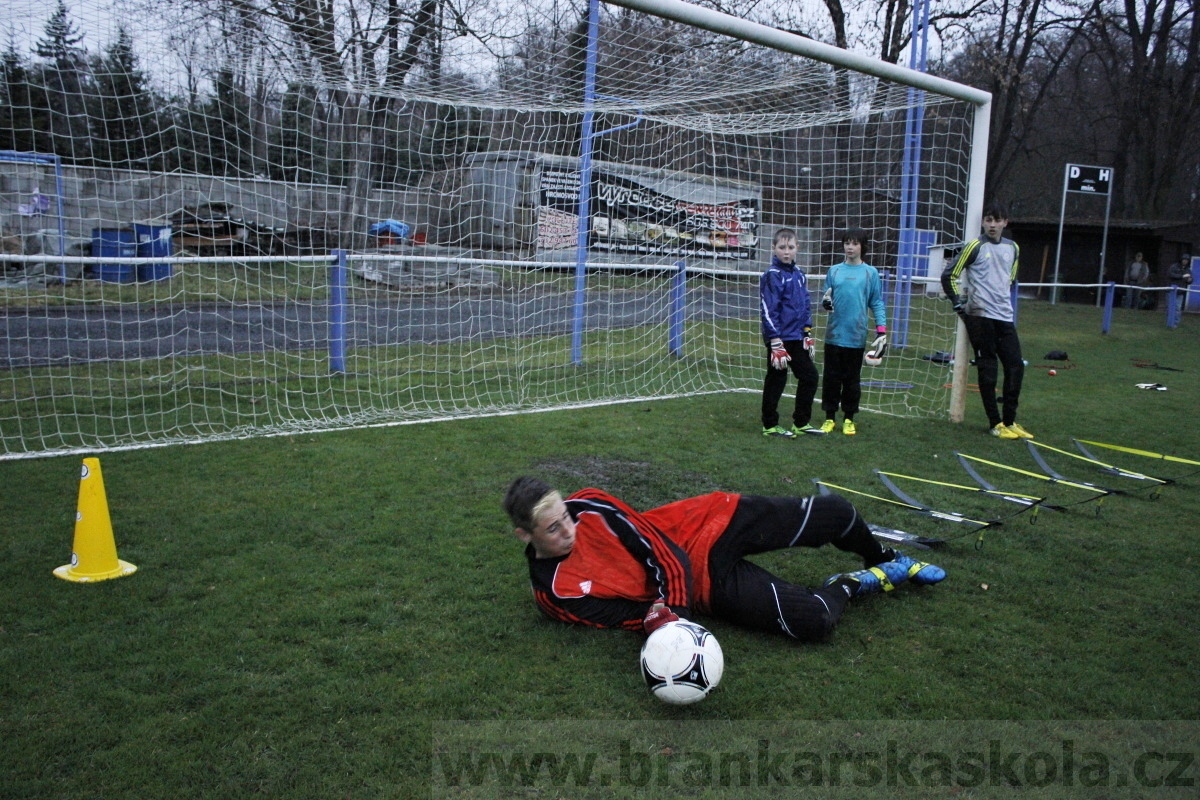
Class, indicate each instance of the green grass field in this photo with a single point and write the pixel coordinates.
(312, 614)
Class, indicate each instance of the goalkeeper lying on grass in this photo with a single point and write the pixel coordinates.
(594, 560)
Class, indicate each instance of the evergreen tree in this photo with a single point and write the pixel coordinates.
(61, 39)
(299, 141)
(19, 120)
(125, 126)
(181, 135)
(228, 128)
(63, 84)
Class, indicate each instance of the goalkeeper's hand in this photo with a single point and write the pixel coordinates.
(874, 354)
(659, 615)
(810, 344)
(960, 308)
(779, 354)
(827, 300)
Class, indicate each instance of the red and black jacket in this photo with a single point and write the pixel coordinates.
(623, 561)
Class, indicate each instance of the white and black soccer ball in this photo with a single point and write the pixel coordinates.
(682, 662)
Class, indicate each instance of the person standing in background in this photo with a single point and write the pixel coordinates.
(1137, 275)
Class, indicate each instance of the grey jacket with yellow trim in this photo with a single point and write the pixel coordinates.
(982, 277)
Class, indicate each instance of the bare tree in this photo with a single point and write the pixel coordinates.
(357, 53)
(1115, 86)
(1018, 53)
(1154, 49)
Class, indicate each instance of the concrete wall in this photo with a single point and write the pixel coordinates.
(108, 198)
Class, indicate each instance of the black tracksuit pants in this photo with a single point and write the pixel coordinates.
(996, 342)
(843, 380)
(776, 380)
(747, 594)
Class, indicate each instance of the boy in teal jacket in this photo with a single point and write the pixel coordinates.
(852, 288)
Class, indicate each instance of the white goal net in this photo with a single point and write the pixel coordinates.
(221, 223)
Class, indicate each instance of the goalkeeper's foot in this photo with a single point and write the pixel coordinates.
(922, 573)
(782, 433)
(1020, 432)
(807, 430)
(848, 427)
(873, 580)
(828, 425)
(1002, 431)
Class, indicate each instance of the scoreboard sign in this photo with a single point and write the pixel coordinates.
(1089, 180)
(1083, 179)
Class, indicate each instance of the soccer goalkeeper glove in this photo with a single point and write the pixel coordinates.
(960, 308)
(779, 354)
(810, 344)
(827, 300)
(874, 354)
(659, 615)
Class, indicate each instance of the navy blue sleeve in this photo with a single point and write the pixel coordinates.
(769, 306)
(806, 317)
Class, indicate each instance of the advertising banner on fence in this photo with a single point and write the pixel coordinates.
(650, 212)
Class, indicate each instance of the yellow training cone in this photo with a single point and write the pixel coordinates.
(94, 556)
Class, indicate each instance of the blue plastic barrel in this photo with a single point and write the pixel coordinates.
(153, 241)
(114, 243)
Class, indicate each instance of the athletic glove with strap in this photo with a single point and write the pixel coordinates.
(874, 355)
(827, 300)
(810, 344)
(659, 615)
(779, 354)
(879, 346)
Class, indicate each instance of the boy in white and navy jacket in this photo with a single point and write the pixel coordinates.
(787, 322)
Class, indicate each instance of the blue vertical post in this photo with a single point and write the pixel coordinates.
(904, 275)
(1173, 307)
(585, 184)
(678, 298)
(1013, 296)
(1106, 323)
(62, 232)
(910, 175)
(337, 313)
(1191, 291)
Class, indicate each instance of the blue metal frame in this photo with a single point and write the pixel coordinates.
(909, 254)
(585, 184)
(678, 306)
(590, 95)
(18, 157)
(1109, 293)
(337, 313)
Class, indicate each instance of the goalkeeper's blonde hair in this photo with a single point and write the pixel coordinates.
(527, 499)
(545, 504)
